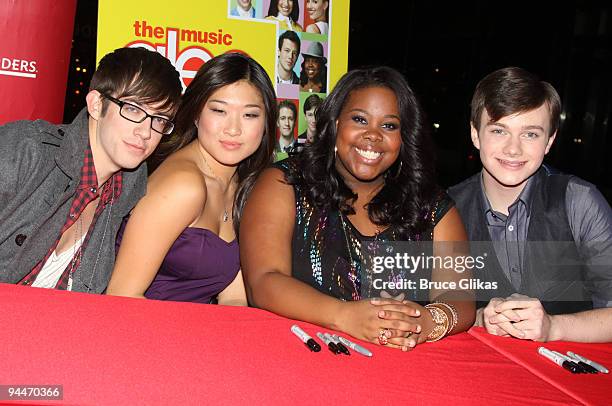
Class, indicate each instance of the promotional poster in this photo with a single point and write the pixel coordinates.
(302, 44)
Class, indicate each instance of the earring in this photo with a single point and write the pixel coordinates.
(335, 151)
(399, 171)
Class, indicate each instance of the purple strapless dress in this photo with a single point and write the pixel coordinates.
(198, 266)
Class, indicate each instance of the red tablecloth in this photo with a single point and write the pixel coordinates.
(108, 350)
(585, 388)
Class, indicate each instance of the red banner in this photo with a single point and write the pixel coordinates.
(36, 37)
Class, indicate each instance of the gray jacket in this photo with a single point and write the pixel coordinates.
(40, 168)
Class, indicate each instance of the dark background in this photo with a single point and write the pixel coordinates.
(444, 49)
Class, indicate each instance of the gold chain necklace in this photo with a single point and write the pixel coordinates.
(348, 245)
(225, 211)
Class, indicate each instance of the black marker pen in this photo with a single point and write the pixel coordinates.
(545, 352)
(583, 364)
(308, 340)
(340, 346)
(581, 368)
(592, 364)
(330, 344)
(586, 366)
(355, 347)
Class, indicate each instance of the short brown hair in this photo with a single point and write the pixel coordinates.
(137, 72)
(288, 104)
(514, 90)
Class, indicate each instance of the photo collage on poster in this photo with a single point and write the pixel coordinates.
(302, 64)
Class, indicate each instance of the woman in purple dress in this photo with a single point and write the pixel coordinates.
(180, 240)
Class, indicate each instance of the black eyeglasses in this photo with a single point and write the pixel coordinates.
(137, 115)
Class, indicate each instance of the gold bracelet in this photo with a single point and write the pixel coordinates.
(453, 312)
(439, 317)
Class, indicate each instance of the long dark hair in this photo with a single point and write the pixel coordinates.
(295, 11)
(322, 76)
(409, 193)
(218, 72)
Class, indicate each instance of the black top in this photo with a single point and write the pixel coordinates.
(327, 249)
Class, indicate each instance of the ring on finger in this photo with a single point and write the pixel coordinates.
(382, 336)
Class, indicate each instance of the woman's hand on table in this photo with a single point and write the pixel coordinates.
(418, 317)
(399, 321)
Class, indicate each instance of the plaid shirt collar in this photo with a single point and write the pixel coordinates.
(86, 192)
(89, 181)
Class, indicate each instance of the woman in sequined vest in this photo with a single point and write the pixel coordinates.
(324, 233)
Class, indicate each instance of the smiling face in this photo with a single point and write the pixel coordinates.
(117, 142)
(285, 7)
(286, 122)
(231, 124)
(368, 135)
(512, 148)
(312, 67)
(244, 4)
(316, 9)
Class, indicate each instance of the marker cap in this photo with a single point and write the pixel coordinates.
(313, 345)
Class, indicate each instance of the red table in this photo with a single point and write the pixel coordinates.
(109, 350)
(585, 388)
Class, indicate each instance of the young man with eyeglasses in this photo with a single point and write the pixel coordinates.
(65, 189)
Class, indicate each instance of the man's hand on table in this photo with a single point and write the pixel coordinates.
(518, 316)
